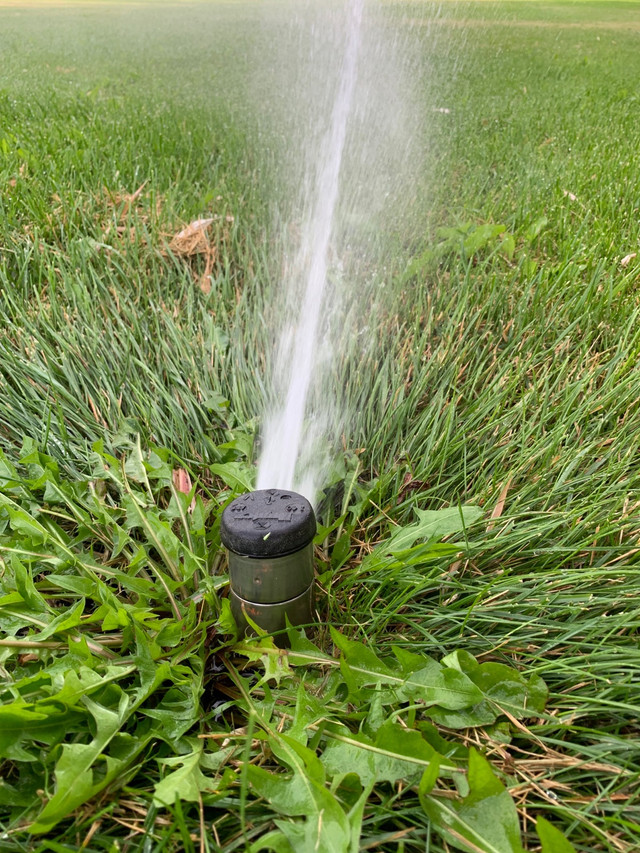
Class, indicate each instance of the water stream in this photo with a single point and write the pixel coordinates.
(284, 427)
(347, 136)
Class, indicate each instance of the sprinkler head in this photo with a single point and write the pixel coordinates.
(269, 535)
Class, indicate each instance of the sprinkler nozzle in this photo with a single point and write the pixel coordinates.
(269, 536)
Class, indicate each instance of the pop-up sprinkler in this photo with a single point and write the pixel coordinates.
(269, 535)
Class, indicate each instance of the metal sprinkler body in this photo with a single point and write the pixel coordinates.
(269, 536)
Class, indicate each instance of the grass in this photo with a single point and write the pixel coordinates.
(511, 378)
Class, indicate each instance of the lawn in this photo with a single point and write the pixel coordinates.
(499, 373)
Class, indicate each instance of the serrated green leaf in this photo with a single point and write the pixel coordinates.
(187, 782)
(485, 820)
(288, 795)
(158, 532)
(432, 524)
(20, 723)
(53, 716)
(76, 781)
(553, 841)
(536, 697)
(308, 712)
(432, 684)
(226, 624)
(264, 649)
(302, 651)
(178, 712)
(296, 755)
(355, 816)
(481, 237)
(85, 586)
(275, 841)
(503, 689)
(134, 467)
(429, 777)
(455, 232)
(326, 827)
(396, 753)
(239, 476)
(26, 588)
(404, 745)
(9, 477)
(65, 621)
(22, 522)
(507, 245)
(481, 714)
(74, 775)
(241, 442)
(536, 228)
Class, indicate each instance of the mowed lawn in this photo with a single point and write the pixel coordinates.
(501, 371)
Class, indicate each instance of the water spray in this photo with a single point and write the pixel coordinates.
(284, 434)
(269, 536)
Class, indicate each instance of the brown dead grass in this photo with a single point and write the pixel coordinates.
(200, 244)
(127, 218)
(194, 241)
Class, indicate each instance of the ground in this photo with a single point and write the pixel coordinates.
(500, 375)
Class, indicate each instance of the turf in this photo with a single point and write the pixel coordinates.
(500, 374)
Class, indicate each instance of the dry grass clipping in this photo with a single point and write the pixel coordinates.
(195, 240)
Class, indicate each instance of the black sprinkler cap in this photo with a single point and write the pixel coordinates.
(268, 523)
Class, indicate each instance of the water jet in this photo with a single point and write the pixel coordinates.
(269, 537)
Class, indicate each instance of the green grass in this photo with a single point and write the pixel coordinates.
(505, 381)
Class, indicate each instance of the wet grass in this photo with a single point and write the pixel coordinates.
(507, 379)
